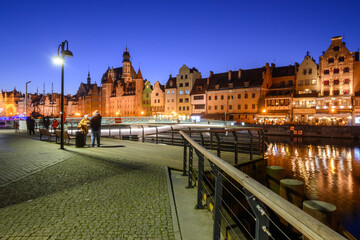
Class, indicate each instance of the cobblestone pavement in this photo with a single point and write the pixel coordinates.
(85, 195)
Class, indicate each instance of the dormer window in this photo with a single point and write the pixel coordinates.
(171, 83)
(199, 88)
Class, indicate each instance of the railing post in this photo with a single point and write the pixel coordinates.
(185, 157)
(189, 132)
(202, 140)
(143, 133)
(190, 185)
(218, 201)
(251, 145)
(157, 134)
(236, 147)
(172, 135)
(199, 204)
(218, 144)
(262, 221)
(130, 129)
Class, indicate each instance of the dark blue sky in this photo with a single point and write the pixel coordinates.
(162, 36)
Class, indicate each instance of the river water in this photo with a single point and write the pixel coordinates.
(329, 168)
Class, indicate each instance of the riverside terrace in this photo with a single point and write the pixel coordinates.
(121, 190)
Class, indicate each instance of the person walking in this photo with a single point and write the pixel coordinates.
(55, 123)
(84, 126)
(31, 125)
(95, 125)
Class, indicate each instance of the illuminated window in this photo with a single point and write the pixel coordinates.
(181, 92)
(313, 82)
(186, 91)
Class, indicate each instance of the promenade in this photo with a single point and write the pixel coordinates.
(118, 191)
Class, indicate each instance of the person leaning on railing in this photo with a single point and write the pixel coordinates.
(84, 126)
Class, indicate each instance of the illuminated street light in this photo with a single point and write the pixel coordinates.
(61, 60)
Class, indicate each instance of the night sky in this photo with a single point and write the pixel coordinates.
(162, 36)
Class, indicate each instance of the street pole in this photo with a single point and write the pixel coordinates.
(62, 107)
(26, 97)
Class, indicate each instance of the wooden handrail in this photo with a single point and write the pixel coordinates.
(306, 224)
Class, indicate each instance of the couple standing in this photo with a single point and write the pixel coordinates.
(95, 125)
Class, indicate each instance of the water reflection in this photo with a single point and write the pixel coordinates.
(330, 173)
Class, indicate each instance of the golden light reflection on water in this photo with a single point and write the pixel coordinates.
(330, 173)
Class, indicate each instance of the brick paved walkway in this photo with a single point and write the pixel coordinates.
(82, 194)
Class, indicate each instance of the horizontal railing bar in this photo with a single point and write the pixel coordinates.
(307, 225)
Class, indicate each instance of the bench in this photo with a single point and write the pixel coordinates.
(66, 136)
(45, 132)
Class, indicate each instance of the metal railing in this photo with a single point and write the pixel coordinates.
(265, 206)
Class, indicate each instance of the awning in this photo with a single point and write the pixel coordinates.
(340, 115)
(272, 116)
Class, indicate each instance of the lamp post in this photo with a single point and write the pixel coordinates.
(26, 99)
(60, 59)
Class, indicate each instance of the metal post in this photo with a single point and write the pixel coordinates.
(218, 202)
(26, 98)
(251, 145)
(129, 130)
(189, 132)
(62, 108)
(218, 144)
(236, 147)
(202, 140)
(143, 133)
(157, 134)
(185, 157)
(190, 167)
(199, 204)
(172, 135)
(262, 222)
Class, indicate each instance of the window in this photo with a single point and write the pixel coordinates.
(301, 82)
(326, 82)
(346, 70)
(180, 100)
(346, 81)
(246, 106)
(313, 82)
(336, 82)
(209, 107)
(186, 91)
(187, 108)
(230, 107)
(341, 59)
(180, 85)
(222, 107)
(336, 70)
(246, 95)
(199, 88)
(326, 93)
(307, 82)
(290, 83)
(143, 101)
(172, 100)
(182, 77)
(215, 97)
(336, 93)
(336, 49)
(171, 83)
(282, 84)
(215, 107)
(253, 95)
(239, 96)
(186, 99)
(168, 92)
(326, 72)
(181, 92)
(239, 106)
(346, 91)
(155, 101)
(186, 78)
(201, 97)
(222, 97)
(310, 70)
(172, 92)
(253, 106)
(157, 94)
(304, 71)
(209, 97)
(331, 60)
(186, 84)
(200, 106)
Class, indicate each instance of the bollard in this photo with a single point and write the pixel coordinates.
(293, 191)
(323, 211)
(274, 175)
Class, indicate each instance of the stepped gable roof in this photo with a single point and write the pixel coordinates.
(173, 80)
(199, 86)
(252, 76)
(283, 71)
(162, 87)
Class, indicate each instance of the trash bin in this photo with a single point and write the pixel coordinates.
(80, 139)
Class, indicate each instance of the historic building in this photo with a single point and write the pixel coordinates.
(184, 83)
(306, 91)
(235, 95)
(336, 76)
(9, 103)
(198, 97)
(170, 96)
(122, 90)
(146, 105)
(158, 99)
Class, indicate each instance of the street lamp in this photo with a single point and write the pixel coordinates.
(26, 99)
(60, 59)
